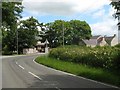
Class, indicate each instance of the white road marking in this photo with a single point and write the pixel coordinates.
(35, 75)
(21, 66)
(57, 88)
(75, 75)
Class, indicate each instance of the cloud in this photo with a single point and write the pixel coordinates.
(107, 25)
(63, 7)
(104, 28)
(99, 13)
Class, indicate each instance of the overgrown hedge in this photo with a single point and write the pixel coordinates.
(101, 57)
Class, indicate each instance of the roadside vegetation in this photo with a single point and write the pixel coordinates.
(99, 63)
(100, 57)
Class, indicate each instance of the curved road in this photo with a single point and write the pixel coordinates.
(23, 72)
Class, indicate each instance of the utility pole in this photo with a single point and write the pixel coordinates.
(63, 32)
(17, 40)
(18, 22)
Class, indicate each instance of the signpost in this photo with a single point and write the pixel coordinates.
(46, 46)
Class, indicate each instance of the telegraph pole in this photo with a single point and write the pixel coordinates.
(63, 33)
(17, 40)
(18, 22)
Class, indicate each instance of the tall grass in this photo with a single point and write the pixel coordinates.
(80, 70)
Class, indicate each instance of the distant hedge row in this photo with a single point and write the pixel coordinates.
(101, 57)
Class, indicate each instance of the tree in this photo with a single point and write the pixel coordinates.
(116, 5)
(79, 30)
(26, 33)
(11, 12)
(54, 33)
(74, 31)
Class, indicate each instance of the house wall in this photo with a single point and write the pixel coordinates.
(102, 43)
(114, 41)
(91, 45)
(29, 50)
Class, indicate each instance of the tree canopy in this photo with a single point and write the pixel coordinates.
(26, 33)
(11, 12)
(116, 6)
(74, 31)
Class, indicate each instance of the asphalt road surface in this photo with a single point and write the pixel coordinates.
(23, 72)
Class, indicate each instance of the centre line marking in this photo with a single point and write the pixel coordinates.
(35, 75)
(21, 66)
(57, 88)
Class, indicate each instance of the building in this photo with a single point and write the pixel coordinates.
(100, 41)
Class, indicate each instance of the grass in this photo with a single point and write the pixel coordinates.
(81, 70)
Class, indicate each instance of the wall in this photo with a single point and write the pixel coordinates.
(29, 50)
(114, 41)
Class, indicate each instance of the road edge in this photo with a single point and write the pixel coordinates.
(76, 75)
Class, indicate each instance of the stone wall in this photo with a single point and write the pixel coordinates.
(29, 50)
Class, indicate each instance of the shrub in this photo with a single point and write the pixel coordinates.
(7, 52)
(101, 57)
(118, 45)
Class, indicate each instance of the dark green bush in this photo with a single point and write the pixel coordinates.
(101, 57)
(118, 45)
(7, 52)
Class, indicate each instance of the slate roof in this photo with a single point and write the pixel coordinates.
(95, 37)
(109, 39)
(92, 40)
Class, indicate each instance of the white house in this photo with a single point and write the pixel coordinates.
(101, 41)
(111, 40)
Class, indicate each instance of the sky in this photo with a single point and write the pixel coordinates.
(97, 13)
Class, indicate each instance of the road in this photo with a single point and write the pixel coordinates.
(23, 72)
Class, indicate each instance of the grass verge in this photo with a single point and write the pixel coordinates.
(81, 70)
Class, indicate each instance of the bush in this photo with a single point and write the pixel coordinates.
(101, 57)
(118, 45)
(7, 52)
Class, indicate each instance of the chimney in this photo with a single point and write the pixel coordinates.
(104, 36)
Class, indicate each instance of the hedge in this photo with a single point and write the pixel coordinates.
(101, 57)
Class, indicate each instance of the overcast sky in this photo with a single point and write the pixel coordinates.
(97, 13)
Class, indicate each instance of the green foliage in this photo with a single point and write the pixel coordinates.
(118, 45)
(116, 6)
(101, 57)
(11, 12)
(80, 70)
(26, 33)
(74, 31)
